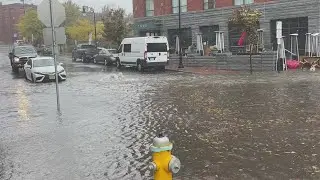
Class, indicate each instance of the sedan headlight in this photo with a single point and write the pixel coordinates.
(16, 59)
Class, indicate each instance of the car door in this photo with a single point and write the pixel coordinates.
(100, 55)
(120, 52)
(127, 54)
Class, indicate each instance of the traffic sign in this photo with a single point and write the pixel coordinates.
(58, 13)
(59, 35)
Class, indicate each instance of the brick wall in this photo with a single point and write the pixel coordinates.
(9, 17)
(164, 7)
(139, 8)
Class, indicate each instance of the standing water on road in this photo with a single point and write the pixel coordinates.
(264, 126)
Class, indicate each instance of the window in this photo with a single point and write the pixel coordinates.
(241, 2)
(149, 8)
(183, 4)
(157, 47)
(209, 4)
(127, 48)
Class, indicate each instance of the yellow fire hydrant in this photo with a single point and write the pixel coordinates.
(164, 164)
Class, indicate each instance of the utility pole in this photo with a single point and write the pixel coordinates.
(85, 9)
(95, 28)
(180, 53)
(23, 5)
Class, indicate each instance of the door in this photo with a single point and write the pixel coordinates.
(157, 52)
(99, 56)
(120, 53)
(127, 55)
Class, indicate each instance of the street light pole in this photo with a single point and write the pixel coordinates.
(180, 53)
(95, 28)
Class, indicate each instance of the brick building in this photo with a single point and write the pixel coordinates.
(9, 17)
(160, 17)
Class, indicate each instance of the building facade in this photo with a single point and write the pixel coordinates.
(160, 17)
(9, 17)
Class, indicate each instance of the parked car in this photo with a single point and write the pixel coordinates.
(105, 56)
(85, 52)
(19, 55)
(143, 52)
(41, 69)
(46, 50)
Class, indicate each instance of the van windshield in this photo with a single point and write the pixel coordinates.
(157, 47)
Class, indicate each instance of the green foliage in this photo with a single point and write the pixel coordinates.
(72, 12)
(247, 20)
(115, 25)
(29, 25)
(81, 29)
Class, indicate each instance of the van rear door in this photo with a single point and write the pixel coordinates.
(157, 52)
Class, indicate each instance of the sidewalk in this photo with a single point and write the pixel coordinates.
(200, 70)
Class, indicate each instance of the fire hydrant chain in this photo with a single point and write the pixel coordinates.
(164, 163)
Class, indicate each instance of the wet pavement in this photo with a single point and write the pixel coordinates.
(230, 126)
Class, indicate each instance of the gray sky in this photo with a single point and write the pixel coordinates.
(97, 4)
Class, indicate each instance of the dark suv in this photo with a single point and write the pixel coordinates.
(19, 55)
(85, 52)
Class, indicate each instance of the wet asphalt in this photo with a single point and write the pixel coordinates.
(237, 126)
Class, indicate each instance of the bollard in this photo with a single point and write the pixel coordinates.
(164, 164)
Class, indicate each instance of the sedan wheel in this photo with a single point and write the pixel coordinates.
(140, 67)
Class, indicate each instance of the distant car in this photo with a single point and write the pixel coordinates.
(42, 69)
(85, 52)
(105, 56)
(19, 55)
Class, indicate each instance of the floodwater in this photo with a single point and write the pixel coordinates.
(264, 126)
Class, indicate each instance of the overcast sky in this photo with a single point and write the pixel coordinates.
(98, 4)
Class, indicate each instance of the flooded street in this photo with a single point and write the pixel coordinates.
(265, 126)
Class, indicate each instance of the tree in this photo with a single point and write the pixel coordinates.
(72, 12)
(247, 20)
(81, 29)
(29, 25)
(115, 25)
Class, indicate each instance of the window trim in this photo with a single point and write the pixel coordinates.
(181, 8)
(207, 3)
(243, 2)
(149, 10)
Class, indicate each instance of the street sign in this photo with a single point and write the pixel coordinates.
(59, 35)
(58, 13)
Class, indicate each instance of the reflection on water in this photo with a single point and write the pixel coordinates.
(23, 102)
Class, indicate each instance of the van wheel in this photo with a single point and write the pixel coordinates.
(140, 67)
(118, 64)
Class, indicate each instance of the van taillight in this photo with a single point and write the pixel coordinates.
(145, 55)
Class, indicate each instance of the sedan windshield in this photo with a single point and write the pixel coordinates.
(25, 50)
(43, 63)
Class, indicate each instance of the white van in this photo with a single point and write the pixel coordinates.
(143, 52)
